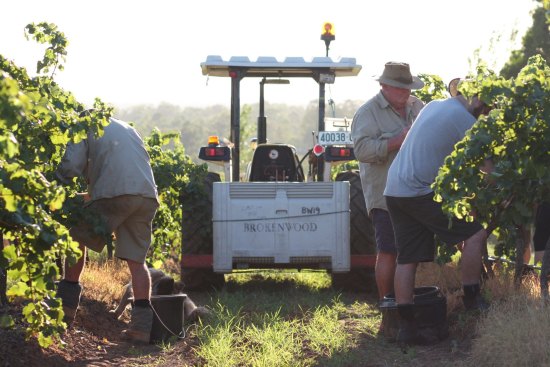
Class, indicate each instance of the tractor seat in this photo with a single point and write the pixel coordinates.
(275, 162)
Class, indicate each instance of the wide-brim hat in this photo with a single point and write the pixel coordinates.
(398, 74)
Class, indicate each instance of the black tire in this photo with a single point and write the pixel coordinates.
(362, 240)
(197, 237)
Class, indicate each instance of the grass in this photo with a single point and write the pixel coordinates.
(278, 318)
(282, 318)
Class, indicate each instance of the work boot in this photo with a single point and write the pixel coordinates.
(472, 299)
(406, 335)
(69, 293)
(141, 322)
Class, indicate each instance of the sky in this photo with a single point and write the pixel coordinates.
(149, 52)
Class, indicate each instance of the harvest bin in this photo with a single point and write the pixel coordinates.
(430, 310)
(263, 224)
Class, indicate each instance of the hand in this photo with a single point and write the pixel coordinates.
(84, 196)
(395, 142)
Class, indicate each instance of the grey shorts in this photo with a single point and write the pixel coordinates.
(417, 220)
(129, 217)
(383, 230)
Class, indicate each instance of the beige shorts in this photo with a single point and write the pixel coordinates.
(129, 217)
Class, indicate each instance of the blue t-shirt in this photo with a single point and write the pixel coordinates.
(438, 127)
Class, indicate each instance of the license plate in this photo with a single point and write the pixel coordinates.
(335, 137)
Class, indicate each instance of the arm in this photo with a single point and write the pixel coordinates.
(74, 162)
(371, 144)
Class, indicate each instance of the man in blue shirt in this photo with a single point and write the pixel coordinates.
(416, 217)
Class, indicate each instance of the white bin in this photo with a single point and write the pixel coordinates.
(281, 223)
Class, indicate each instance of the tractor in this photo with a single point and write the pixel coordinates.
(279, 215)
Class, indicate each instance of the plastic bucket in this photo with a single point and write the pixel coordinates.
(430, 312)
(168, 316)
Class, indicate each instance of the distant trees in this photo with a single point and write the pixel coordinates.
(291, 124)
(535, 42)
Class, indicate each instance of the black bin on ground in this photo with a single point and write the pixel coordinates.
(430, 311)
(168, 317)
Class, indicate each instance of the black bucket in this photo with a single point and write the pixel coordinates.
(168, 317)
(430, 312)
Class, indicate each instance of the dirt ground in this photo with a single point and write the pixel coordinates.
(94, 341)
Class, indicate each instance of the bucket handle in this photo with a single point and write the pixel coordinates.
(181, 335)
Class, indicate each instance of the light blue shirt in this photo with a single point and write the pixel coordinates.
(439, 126)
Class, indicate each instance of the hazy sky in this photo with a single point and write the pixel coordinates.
(134, 52)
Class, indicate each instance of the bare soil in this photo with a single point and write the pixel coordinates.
(94, 341)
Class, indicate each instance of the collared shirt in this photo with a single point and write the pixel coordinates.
(374, 123)
(113, 165)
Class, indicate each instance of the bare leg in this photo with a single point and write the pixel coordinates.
(73, 273)
(405, 275)
(472, 257)
(385, 272)
(69, 289)
(141, 281)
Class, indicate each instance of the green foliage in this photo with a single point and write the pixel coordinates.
(53, 56)
(37, 119)
(247, 132)
(171, 168)
(193, 196)
(434, 88)
(515, 136)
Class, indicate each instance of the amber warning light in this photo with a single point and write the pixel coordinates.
(328, 31)
(213, 140)
(328, 35)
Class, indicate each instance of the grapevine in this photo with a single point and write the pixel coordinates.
(515, 137)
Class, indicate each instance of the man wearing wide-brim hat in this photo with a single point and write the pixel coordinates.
(378, 129)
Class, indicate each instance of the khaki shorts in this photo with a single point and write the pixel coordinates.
(129, 217)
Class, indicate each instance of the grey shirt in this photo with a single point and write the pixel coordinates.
(439, 126)
(373, 124)
(115, 164)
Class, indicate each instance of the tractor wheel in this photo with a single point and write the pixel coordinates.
(197, 237)
(362, 240)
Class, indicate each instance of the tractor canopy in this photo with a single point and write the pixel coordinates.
(323, 70)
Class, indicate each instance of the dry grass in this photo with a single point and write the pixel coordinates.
(104, 281)
(516, 329)
(446, 277)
